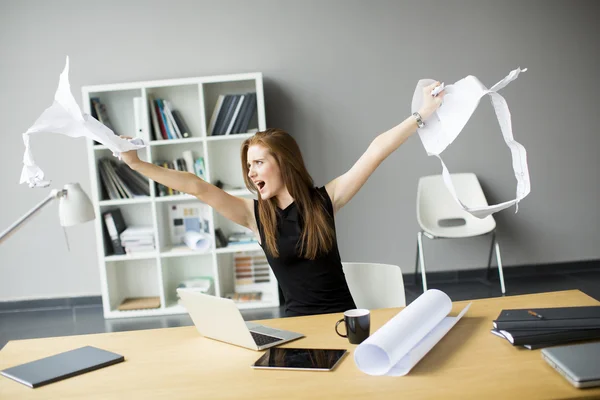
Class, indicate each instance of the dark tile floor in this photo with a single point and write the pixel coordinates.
(84, 319)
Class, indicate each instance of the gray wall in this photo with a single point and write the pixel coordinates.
(337, 74)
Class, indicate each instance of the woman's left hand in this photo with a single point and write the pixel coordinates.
(430, 103)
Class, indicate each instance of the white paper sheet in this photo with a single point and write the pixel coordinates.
(396, 347)
(443, 127)
(65, 117)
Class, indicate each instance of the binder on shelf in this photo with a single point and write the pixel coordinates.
(115, 225)
(138, 114)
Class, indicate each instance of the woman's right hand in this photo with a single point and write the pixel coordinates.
(129, 157)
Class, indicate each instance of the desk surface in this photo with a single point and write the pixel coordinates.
(469, 362)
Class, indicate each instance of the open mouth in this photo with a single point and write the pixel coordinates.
(260, 185)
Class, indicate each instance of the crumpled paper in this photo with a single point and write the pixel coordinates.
(443, 127)
(65, 117)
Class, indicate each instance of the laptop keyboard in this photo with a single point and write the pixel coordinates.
(262, 340)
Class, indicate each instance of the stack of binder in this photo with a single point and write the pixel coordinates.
(542, 327)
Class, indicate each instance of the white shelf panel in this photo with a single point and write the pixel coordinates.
(235, 136)
(240, 192)
(100, 147)
(175, 309)
(184, 253)
(234, 248)
(133, 256)
(177, 197)
(176, 141)
(255, 304)
(121, 202)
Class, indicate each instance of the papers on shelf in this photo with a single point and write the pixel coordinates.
(403, 341)
(443, 127)
(65, 117)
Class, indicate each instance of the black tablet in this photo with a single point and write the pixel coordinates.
(300, 359)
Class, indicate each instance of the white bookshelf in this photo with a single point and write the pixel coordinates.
(159, 272)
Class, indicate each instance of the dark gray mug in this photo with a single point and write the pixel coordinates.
(358, 325)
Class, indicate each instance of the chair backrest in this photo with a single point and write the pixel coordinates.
(375, 286)
(440, 215)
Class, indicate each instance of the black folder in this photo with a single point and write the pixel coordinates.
(567, 318)
(521, 337)
(61, 366)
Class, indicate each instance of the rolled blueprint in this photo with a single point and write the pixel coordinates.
(443, 127)
(396, 347)
(196, 240)
(65, 117)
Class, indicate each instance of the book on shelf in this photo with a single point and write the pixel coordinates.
(200, 284)
(241, 237)
(187, 162)
(138, 239)
(232, 114)
(167, 122)
(118, 181)
(250, 269)
(244, 297)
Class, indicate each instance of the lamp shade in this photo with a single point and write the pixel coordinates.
(75, 207)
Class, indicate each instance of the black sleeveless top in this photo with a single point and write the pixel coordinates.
(309, 286)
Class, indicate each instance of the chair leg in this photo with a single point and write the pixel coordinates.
(417, 264)
(489, 267)
(500, 271)
(422, 260)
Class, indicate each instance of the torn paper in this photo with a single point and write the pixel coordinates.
(443, 127)
(65, 117)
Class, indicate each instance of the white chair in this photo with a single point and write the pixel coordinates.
(375, 286)
(440, 217)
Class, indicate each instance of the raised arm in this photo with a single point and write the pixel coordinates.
(343, 188)
(236, 209)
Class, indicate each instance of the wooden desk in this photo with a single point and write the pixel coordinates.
(176, 363)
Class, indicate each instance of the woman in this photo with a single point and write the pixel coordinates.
(292, 220)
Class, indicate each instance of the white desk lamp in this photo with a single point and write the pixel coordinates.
(74, 208)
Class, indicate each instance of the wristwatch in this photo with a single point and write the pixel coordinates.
(420, 122)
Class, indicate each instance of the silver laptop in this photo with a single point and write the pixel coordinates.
(220, 319)
(578, 363)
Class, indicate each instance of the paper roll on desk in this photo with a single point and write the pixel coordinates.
(404, 340)
(196, 240)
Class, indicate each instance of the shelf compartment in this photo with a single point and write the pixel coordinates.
(186, 100)
(214, 89)
(132, 278)
(176, 218)
(225, 164)
(119, 107)
(177, 270)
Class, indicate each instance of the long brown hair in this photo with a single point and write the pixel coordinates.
(317, 233)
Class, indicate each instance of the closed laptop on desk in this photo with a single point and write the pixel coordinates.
(61, 366)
